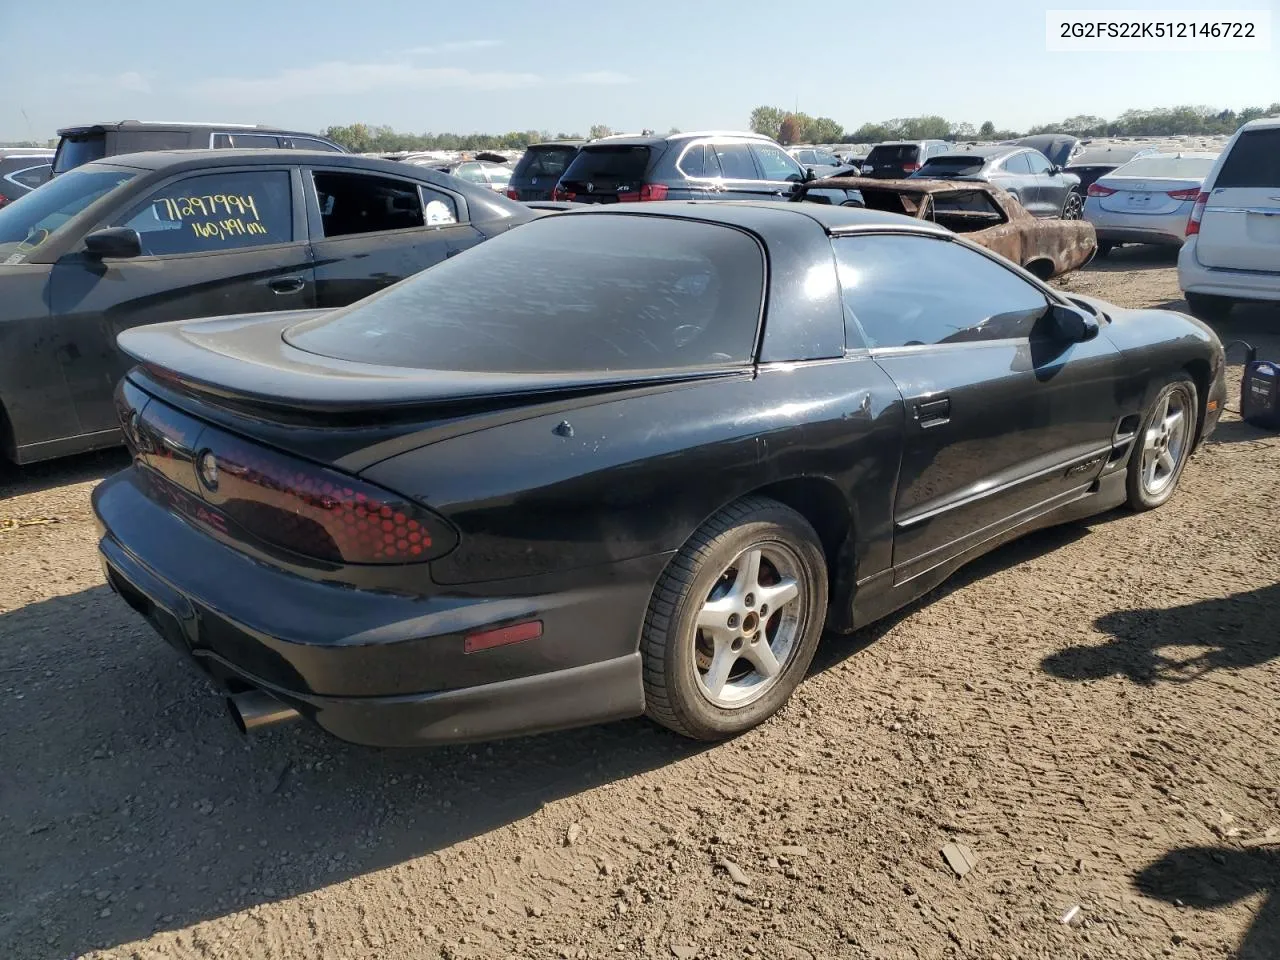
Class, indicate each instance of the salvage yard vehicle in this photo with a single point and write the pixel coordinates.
(97, 141)
(984, 213)
(538, 171)
(1232, 250)
(1147, 200)
(151, 237)
(899, 158)
(611, 463)
(1058, 148)
(21, 171)
(1043, 189)
(682, 166)
(1098, 160)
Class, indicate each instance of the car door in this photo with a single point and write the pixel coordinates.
(1015, 176)
(220, 242)
(1003, 421)
(700, 169)
(370, 230)
(1050, 189)
(1240, 226)
(739, 178)
(781, 172)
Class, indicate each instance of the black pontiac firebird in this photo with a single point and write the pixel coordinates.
(620, 461)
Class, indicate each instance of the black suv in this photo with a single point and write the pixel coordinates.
(93, 142)
(682, 166)
(538, 171)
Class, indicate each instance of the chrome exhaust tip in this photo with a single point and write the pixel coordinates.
(255, 709)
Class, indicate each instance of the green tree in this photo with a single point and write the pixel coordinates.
(599, 130)
(822, 130)
(962, 131)
(987, 131)
(767, 121)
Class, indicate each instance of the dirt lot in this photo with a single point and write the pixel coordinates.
(1094, 711)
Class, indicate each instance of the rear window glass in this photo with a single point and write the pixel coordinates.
(544, 161)
(1174, 168)
(898, 153)
(142, 141)
(73, 152)
(608, 163)
(1254, 161)
(575, 293)
(952, 166)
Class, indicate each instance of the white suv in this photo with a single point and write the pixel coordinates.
(1232, 250)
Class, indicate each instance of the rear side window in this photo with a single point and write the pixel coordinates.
(1254, 161)
(906, 291)
(776, 163)
(735, 161)
(620, 164)
(1019, 164)
(244, 141)
(215, 213)
(700, 161)
(544, 162)
(307, 143)
(565, 294)
(75, 151)
(31, 176)
(141, 141)
(354, 203)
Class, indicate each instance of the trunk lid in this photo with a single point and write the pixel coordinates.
(1139, 195)
(1240, 229)
(598, 174)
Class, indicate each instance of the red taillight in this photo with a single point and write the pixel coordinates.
(512, 194)
(560, 193)
(1192, 194)
(653, 191)
(3, 200)
(1197, 212)
(1098, 190)
(910, 167)
(312, 510)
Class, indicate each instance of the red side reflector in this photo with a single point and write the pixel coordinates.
(516, 633)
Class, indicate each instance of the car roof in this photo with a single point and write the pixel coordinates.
(225, 157)
(544, 144)
(1263, 123)
(763, 216)
(172, 125)
(1178, 154)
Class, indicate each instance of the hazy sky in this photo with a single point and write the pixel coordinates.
(495, 65)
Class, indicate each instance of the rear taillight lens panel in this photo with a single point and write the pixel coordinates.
(1098, 190)
(513, 193)
(313, 511)
(1197, 214)
(1191, 194)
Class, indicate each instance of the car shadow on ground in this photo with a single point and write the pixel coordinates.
(130, 804)
(16, 481)
(1229, 633)
(1134, 257)
(1208, 878)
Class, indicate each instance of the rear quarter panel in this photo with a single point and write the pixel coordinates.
(637, 476)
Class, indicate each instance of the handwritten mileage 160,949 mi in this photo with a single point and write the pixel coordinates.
(242, 215)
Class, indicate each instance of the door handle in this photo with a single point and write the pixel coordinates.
(932, 413)
(286, 284)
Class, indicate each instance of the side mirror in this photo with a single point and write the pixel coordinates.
(810, 174)
(1054, 170)
(1072, 325)
(114, 242)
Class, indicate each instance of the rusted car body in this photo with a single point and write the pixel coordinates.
(984, 213)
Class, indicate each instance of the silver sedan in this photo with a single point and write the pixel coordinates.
(1146, 200)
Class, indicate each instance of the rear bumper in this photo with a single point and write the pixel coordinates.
(1194, 277)
(376, 668)
(1165, 229)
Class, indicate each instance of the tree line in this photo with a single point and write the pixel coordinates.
(789, 127)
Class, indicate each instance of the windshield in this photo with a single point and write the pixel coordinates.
(75, 151)
(1171, 168)
(29, 221)
(571, 293)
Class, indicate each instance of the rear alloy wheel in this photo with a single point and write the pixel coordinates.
(1208, 307)
(1163, 444)
(1072, 206)
(734, 621)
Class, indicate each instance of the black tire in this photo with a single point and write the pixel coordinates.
(1182, 390)
(1208, 307)
(674, 695)
(1104, 249)
(1072, 206)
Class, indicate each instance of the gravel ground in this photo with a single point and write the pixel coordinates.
(1093, 711)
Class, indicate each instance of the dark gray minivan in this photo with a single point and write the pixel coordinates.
(79, 145)
(682, 166)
